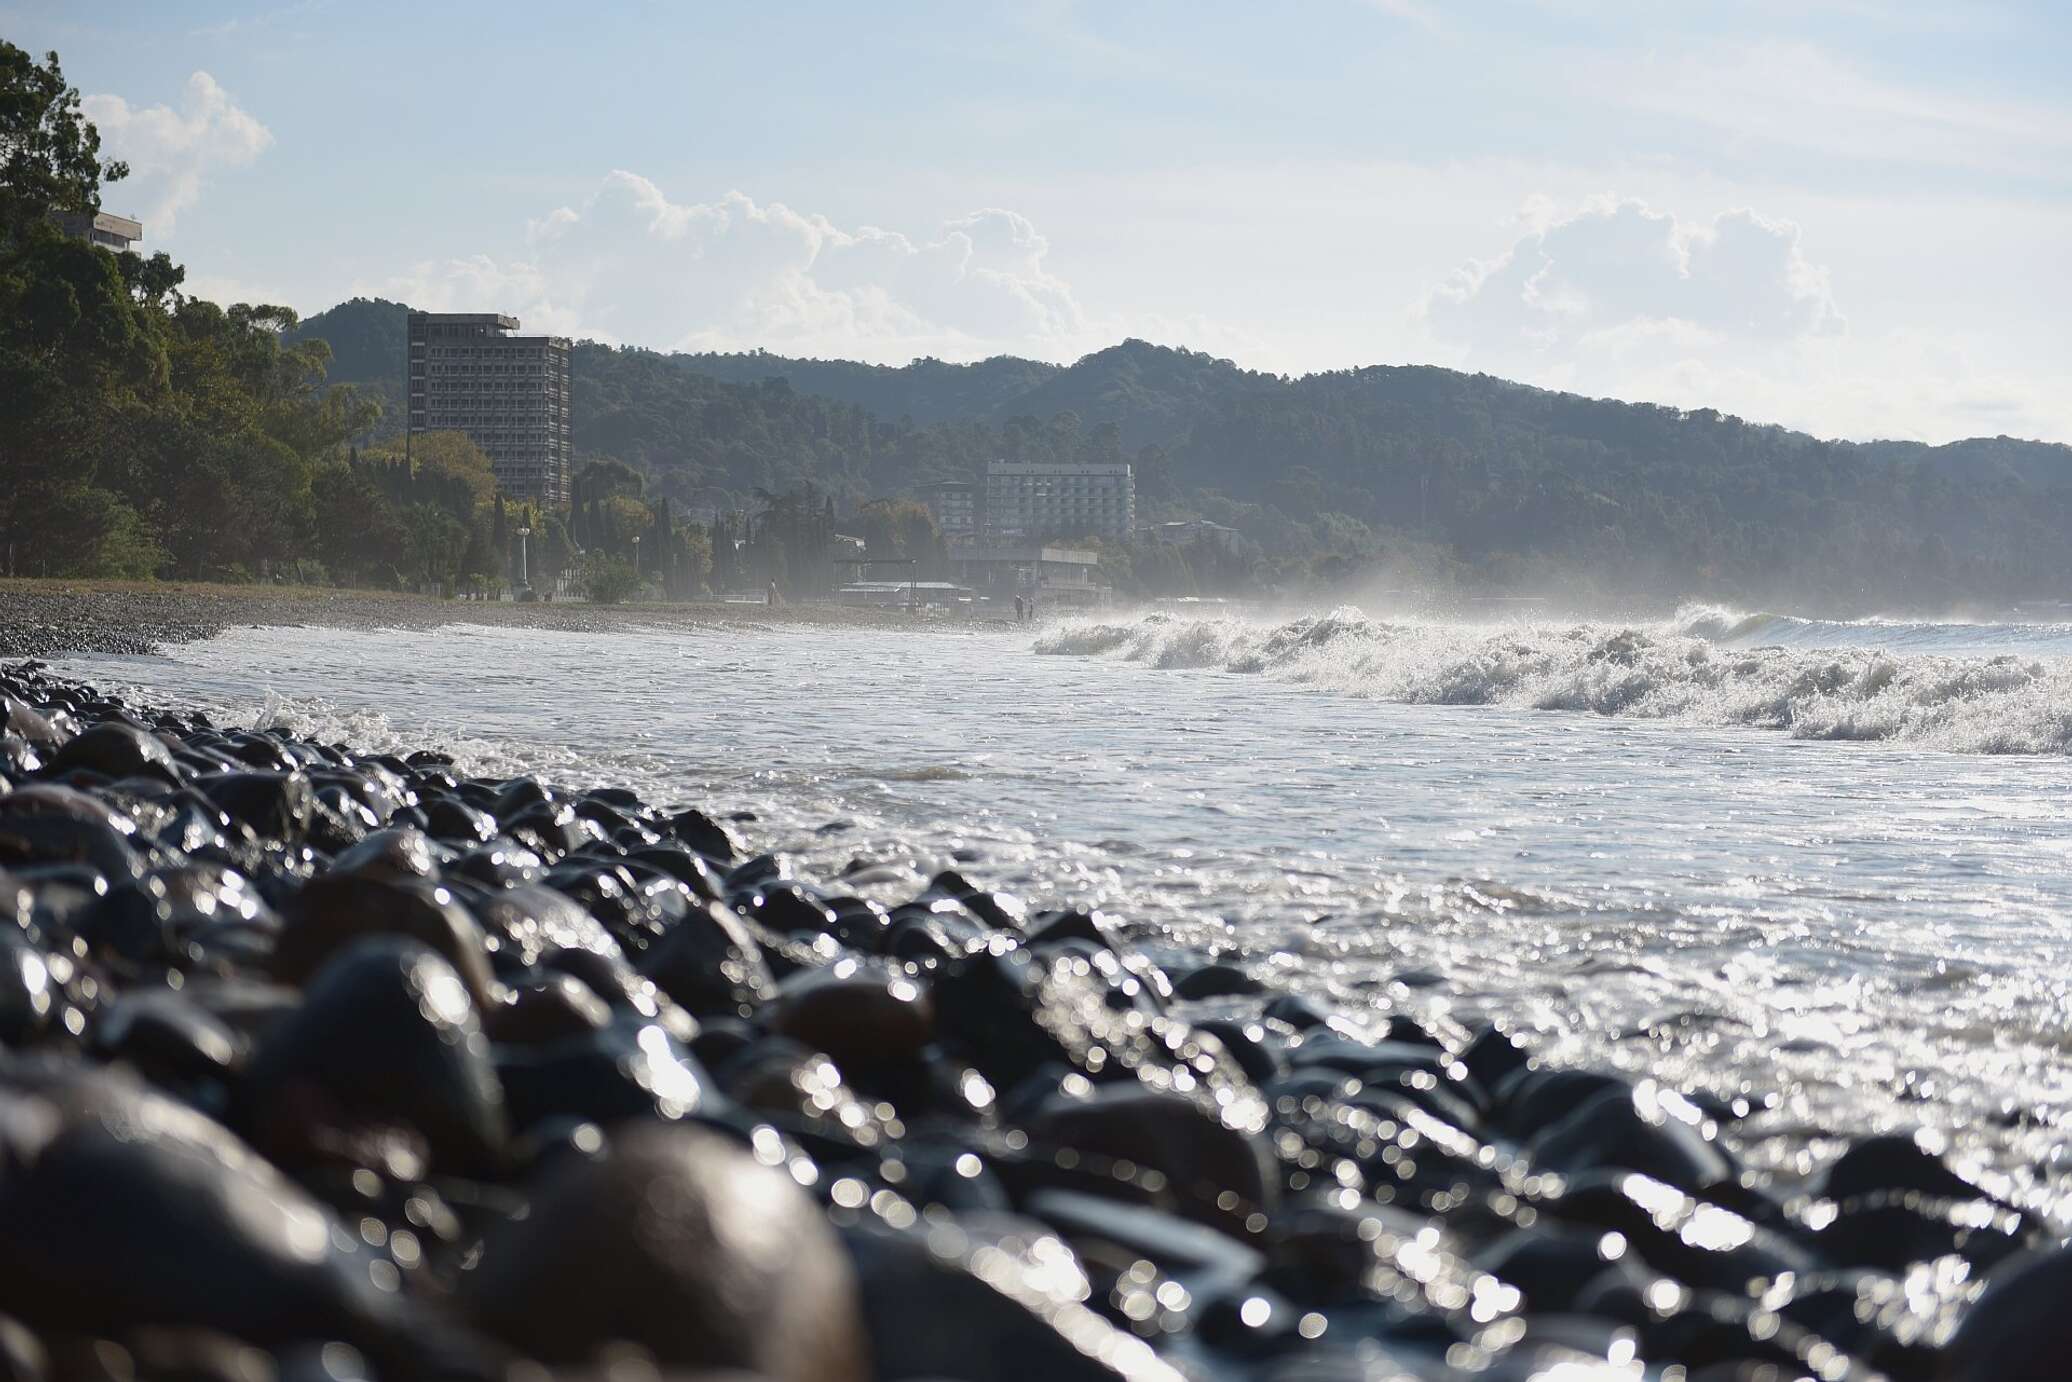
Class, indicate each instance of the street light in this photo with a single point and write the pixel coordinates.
(524, 580)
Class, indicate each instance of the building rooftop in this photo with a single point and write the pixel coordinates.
(1058, 467)
(502, 321)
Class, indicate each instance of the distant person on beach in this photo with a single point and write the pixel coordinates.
(1017, 609)
(771, 599)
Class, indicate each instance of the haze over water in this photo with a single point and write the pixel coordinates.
(1613, 837)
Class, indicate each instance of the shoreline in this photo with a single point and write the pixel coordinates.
(52, 618)
(494, 1023)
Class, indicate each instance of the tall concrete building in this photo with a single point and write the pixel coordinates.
(1034, 499)
(508, 393)
(109, 231)
(954, 505)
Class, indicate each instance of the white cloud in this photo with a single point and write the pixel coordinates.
(631, 265)
(1617, 268)
(1619, 299)
(172, 153)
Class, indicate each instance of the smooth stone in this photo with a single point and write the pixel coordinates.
(624, 1071)
(127, 927)
(720, 1039)
(118, 750)
(1492, 1056)
(1622, 1130)
(1551, 1265)
(805, 1090)
(259, 751)
(1533, 1098)
(532, 920)
(277, 805)
(31, 725)
(502, 863)
(167, 1038)
(785, 908)
(951, 1176)
(2020, 1330)
(1247, 1044)
(680, 1243)
(55, 799)
(1893, 1161)
(1894, 1229)
(1199, 1257)
(386, 1037)
(52, 839)
(705, 835)
(609, 892)
(1716, 1335)
(1701, 1244)
(334, 911)
(248, 1008)
(997, 910)
(1052, 928)
(709, 963)
(395, 855)
(623, 990)
(453, 821)
(337, 822)
(685, 866)
(867, 1020)
(139, 1211)
(926, 936)
(1200, 1157)
(546, 1009)
(987, 1299)
(552, 831)
(1216, 981)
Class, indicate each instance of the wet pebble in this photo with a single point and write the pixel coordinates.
(327, 1065)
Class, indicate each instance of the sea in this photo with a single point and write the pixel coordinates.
(1818, 870)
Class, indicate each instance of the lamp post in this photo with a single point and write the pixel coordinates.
(524, 580)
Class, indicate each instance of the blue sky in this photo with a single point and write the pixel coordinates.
(1845, 215)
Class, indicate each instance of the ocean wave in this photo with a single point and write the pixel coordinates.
(1957, 637)
(1706, 666)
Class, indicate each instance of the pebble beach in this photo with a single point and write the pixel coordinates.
(330, 1063)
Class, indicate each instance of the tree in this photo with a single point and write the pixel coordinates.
(453, 455)
(608, 579)
(436, 544)
(50, 154)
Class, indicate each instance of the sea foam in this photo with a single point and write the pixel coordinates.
(1943, 686)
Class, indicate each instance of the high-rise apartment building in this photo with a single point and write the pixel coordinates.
(103, 228)
(1035, 499)
(954, 506)
(508, 393)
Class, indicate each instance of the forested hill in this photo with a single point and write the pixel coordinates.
(1466, 473)
(2043, 464)
(925, 391)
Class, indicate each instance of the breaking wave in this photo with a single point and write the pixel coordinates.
(1716, 624)
(1983, 688)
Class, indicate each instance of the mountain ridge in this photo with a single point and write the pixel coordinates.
(367, 339)
(1453, 472)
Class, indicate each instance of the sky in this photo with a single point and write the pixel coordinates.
(1848, 216)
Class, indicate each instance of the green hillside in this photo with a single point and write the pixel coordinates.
(1464, 475)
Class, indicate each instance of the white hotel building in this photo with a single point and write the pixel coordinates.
(1039, 500)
